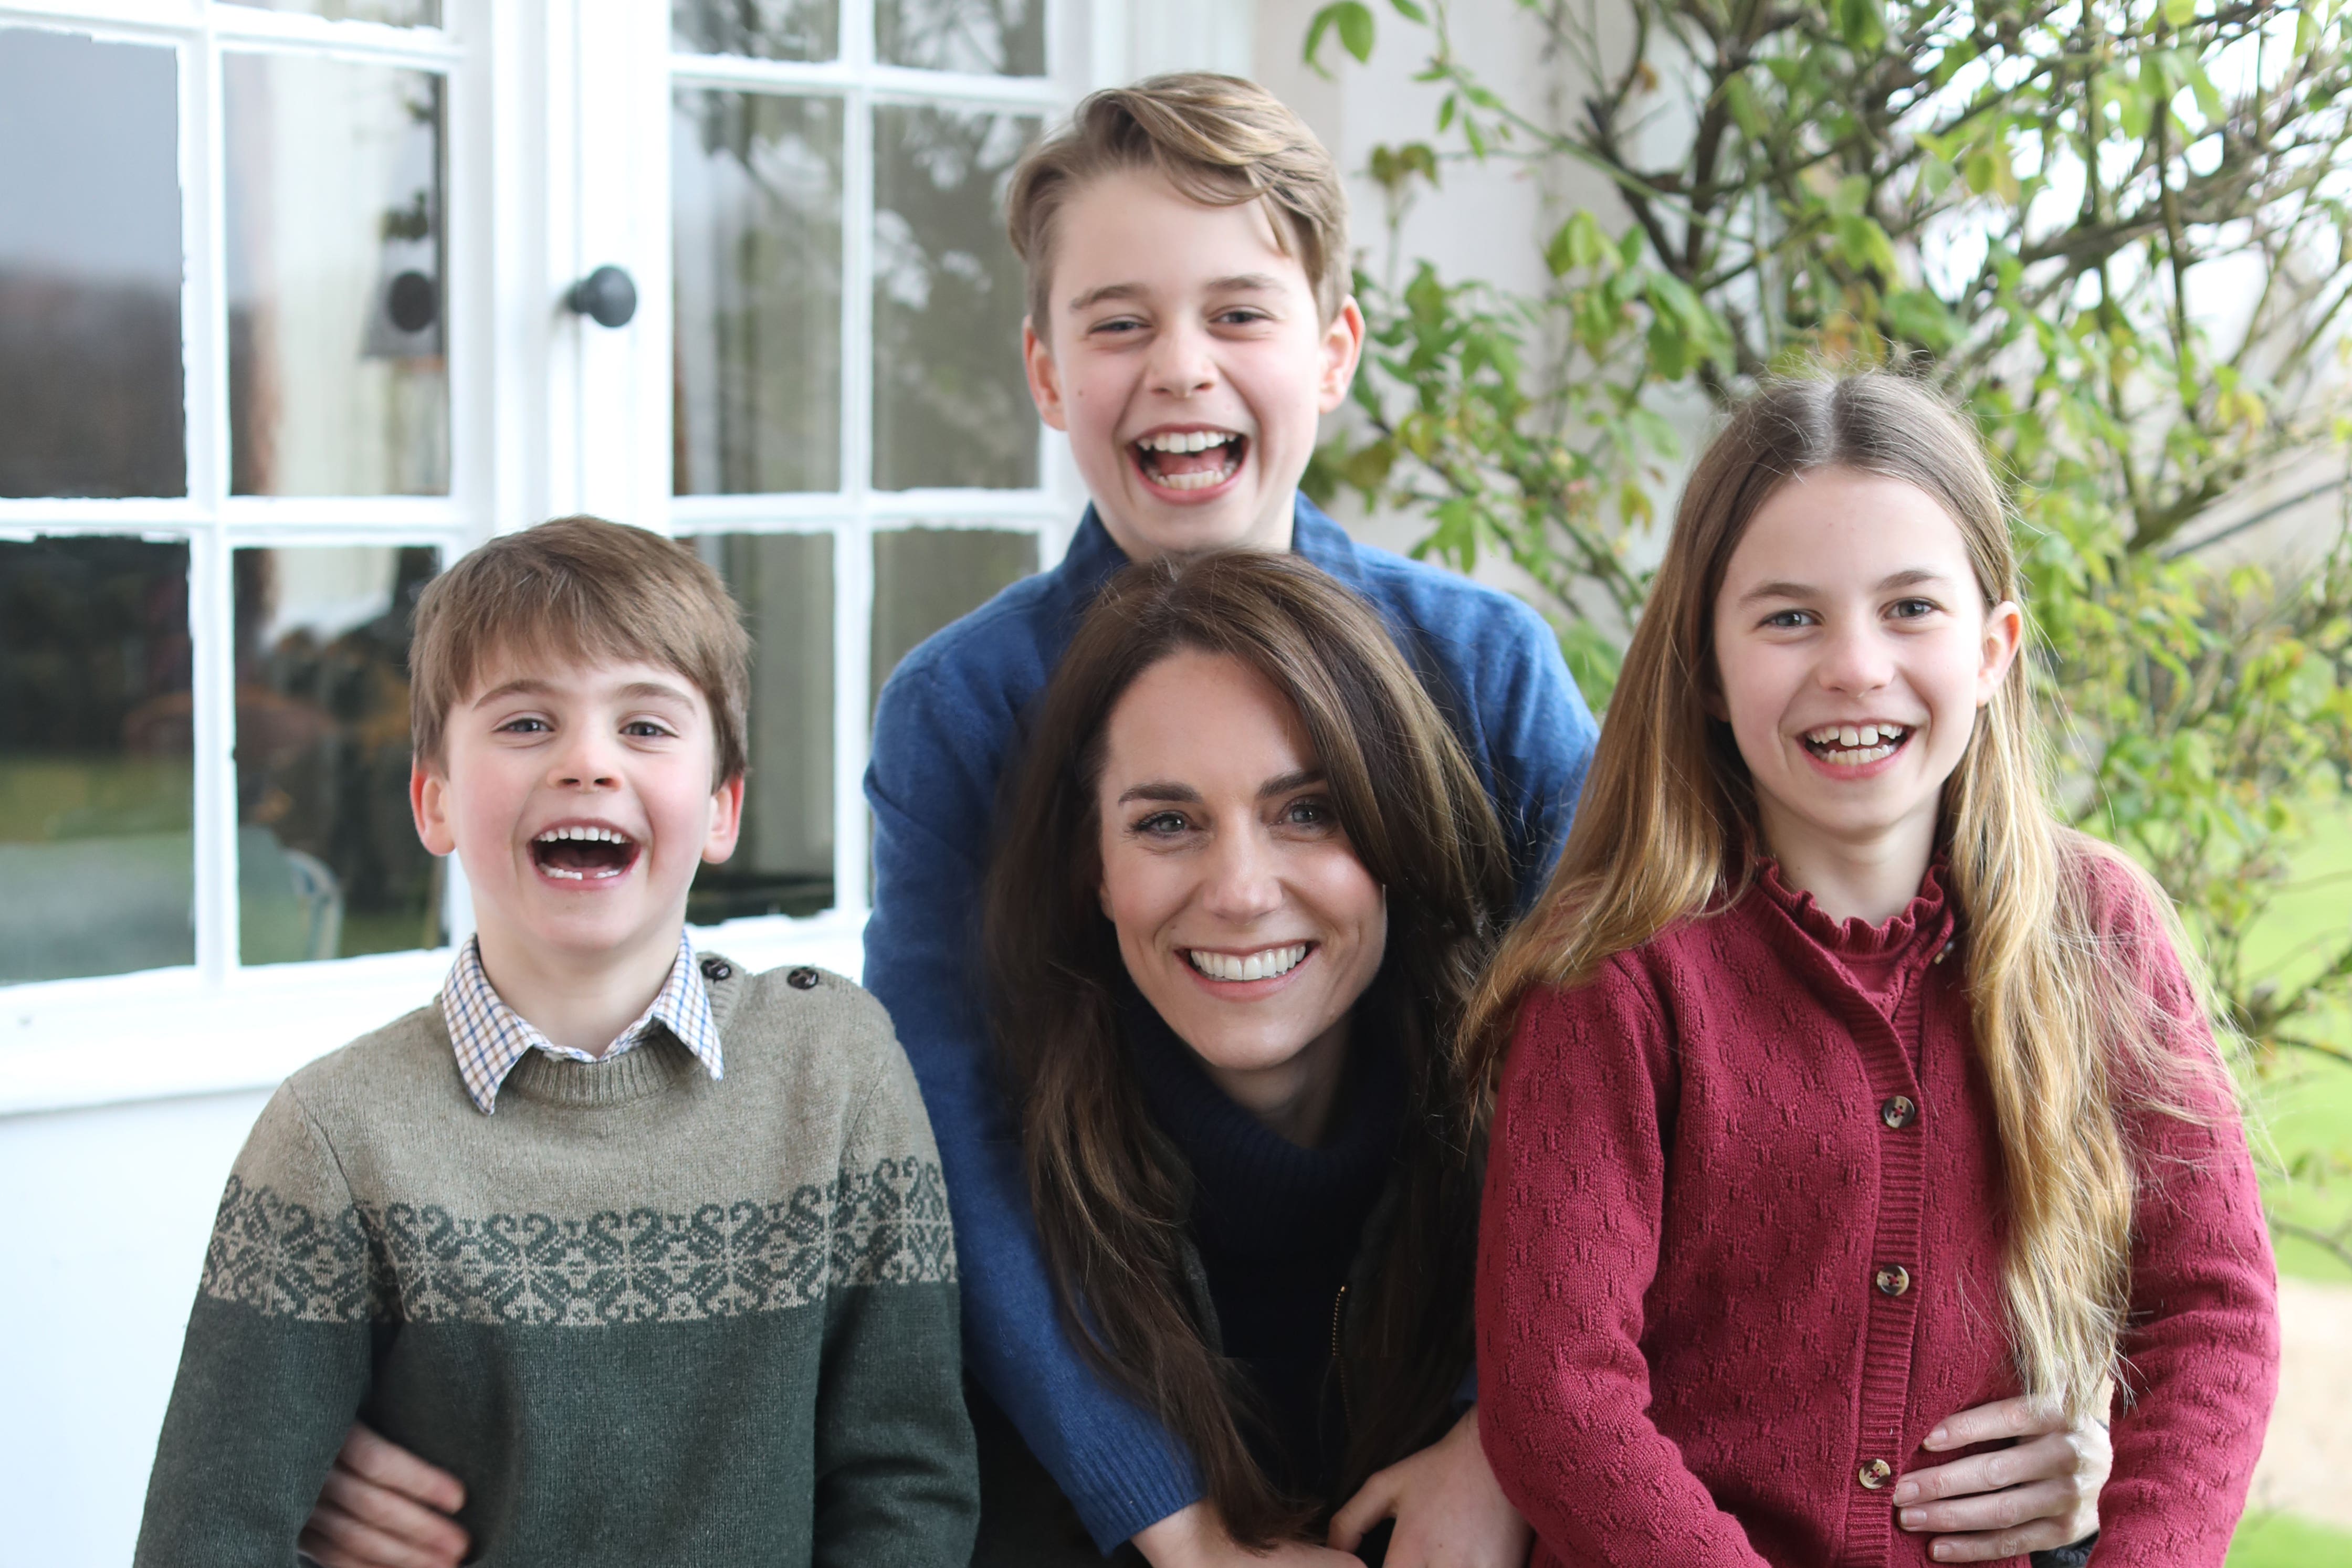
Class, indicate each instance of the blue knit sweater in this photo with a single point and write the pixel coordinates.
(945, 729)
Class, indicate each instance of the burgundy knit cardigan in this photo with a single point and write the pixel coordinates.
(1741, 1245)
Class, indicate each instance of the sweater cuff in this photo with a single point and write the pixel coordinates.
(2074, 1556)
(1119, 1489)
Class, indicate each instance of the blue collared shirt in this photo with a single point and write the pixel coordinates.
(944, 728)
(490, 1037)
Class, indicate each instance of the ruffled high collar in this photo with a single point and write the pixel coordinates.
(1857, 940)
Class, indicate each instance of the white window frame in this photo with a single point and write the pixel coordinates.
(549, 415)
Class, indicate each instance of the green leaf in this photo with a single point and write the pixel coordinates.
(1861, 25)
(2180, 12)
(1580, 244)
(1354, 20)
(1745, 112)
(1411, 12)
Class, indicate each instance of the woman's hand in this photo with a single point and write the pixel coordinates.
(382, 1507)
(2041, 1492)
(1449, 1511)
(1195, 1537)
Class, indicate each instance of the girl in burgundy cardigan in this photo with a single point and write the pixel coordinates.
(1845, 1087)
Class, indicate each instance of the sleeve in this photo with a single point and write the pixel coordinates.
(2201, 1352)
(1539, 740)
(933, 786)
(896, 1481)
(1568, 1247)
(277, 1357)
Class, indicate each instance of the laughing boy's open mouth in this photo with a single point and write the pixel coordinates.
(582, 854)
(1191, 459)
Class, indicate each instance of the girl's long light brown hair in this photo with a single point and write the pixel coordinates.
(1667, 829)
(1112, 1194)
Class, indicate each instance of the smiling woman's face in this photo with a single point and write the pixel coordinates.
(1244, 916)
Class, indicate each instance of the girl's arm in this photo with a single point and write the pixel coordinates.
(1568, 1244)
(2200, 1354)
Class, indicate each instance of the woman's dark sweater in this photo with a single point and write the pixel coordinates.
(1278, 1229)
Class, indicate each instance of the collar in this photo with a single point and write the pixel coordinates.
(1094, 557)
(490, 1037)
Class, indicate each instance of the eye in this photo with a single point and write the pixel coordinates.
(1160, 825)
(1912, 609)
(1789, 620)
(1242, 316)
(1311, 812)
(1117, 324)
(644, 729)
(528, 723)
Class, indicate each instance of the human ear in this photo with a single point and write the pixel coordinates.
(2004, 635)
(428, 803)
(1343, 345)
(726, 820)
(1045, 377)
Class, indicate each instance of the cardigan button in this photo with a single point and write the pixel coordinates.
(802, 980)
(1876, 1474)
(1898, 1110)
(1893, 1280)
(716, 969)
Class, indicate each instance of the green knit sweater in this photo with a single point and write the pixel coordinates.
(646, 1317)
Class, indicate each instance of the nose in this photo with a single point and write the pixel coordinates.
(1181, 363)
(1243, 881)
(584, 761)
(1855, 660)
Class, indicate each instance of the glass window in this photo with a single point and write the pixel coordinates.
(925, 578)
(89, 268)
(397, 13)
(782, 863)
(755, 185)
(96, 787)
(760, 29)
(951, 402)
(338, 384)
(328, 863)
(991, 38)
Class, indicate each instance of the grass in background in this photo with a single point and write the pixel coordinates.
(2282, 1540)
(2306, 1104)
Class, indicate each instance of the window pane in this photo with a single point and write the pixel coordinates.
(951, 402)
(763, 29)
(96, 787)
(338, 385)
(398, 12)
(89, 268)
(925, 578)
(755, 182)
(784, 863)
(992, 37)
(328, 859)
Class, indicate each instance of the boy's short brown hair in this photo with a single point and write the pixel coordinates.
(1219, 140)
(579, 590)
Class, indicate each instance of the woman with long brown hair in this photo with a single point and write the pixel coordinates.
(1243, 883)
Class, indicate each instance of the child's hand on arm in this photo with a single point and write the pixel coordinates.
(1195, 1537)
(2041, 1492)
(1450, 1510)
(382, 1507)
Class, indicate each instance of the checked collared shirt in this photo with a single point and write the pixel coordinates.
(491, 1037)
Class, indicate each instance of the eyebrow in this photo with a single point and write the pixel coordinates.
(532, 686)
(1240, 282)
(1185, 795)
(1910, 578)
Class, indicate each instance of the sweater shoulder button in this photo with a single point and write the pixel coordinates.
(802, 980)
(716, 969)
(1875, 1474)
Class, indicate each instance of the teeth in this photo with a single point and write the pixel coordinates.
(1185, 440)
(1196, 481)
(1263, 964)
(584, 835)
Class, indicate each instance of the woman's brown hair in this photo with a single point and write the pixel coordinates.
(1667, 829)
(1112, 1194)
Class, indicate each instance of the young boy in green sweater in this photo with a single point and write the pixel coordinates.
(650, 1253)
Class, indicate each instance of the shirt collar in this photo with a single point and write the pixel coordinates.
(1094, 557)
(490, 1037)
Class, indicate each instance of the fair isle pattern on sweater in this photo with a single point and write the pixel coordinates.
(490, 1037)
(407, 1263)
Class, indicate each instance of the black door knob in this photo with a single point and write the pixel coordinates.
(605, 296)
